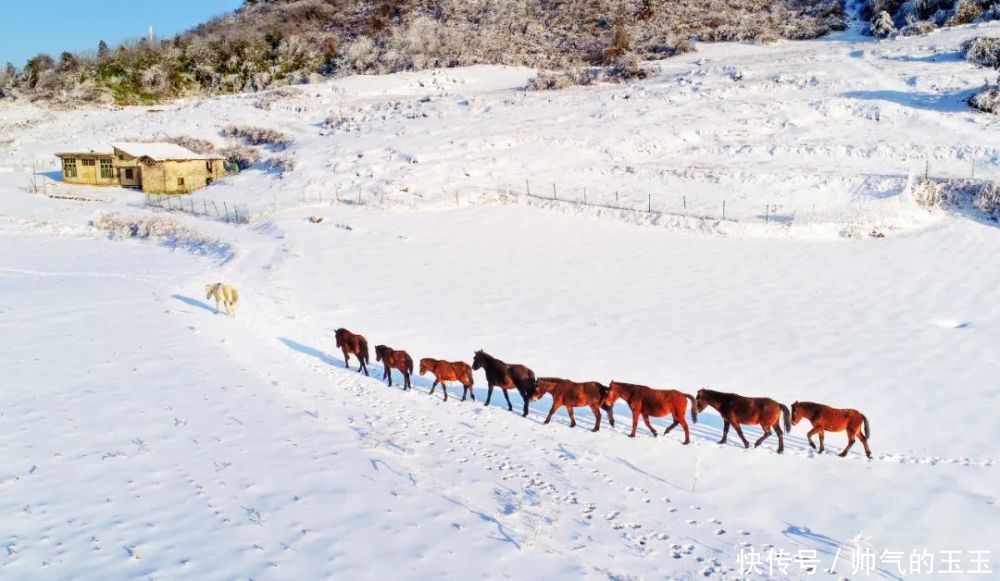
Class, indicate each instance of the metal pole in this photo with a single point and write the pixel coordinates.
(649, 203)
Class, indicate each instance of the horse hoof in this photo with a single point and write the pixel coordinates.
(687, 442)
(595, 430)
(781, 450)
(631, 435)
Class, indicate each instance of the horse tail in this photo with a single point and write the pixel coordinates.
(409, 364)
(868, 432)
(364, 349)
(236, 295)
(468, 374)
(788, 417)
(694, 408)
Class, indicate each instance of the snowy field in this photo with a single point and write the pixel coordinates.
(143, 436)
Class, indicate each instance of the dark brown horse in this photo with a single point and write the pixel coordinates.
(736, 410)
(448, 371)
(394, 359)
(646, 401)
(356, 344)
(574, 395)
(505, 376)
(827, 419)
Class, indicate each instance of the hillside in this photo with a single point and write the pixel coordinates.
(746, 218)
(279, 42)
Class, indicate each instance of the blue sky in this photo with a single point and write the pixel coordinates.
(28, 27)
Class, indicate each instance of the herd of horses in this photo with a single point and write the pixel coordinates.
(645, 402)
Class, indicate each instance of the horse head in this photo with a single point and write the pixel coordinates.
(797, 413)
(425, 365)
(478, 359)
(701, 401)
(380, 352)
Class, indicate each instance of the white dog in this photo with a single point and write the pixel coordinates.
(225, 294)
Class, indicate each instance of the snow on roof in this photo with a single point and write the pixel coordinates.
(159, 151)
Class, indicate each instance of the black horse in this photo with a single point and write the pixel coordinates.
(506, 376)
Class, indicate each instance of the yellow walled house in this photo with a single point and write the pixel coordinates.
(156, 168)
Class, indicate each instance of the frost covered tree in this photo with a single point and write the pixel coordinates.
(882, 25)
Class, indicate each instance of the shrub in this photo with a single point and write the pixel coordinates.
(202, 146)
(555, 80)
(242, 156)
(987, 100)
(258, 136)
(281, 163)
(627, 67)
(882, 25)
(983, 51)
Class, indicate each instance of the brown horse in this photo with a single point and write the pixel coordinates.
(572, 394)
(827, 419)
(356, 344)
(394, 359)
(505, 376)
(646, 401)
(736, 410)
(448, 371)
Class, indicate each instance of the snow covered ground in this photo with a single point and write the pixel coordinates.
(143, 436)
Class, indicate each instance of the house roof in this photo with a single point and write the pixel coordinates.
(160, 151)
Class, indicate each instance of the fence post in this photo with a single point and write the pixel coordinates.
(236, 213)
(767, 213)
(204, 206)
(927, 169)
(226, 206)
(527, 186)
(554, 195)
(684, 200)
(973, 175)
(616, 200)
(584, 196)
(359, 197)
(723, 209)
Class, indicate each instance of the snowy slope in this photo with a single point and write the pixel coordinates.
(143, 436)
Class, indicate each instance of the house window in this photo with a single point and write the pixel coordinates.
(129, 174)
(87, 162)
(208, 181)
(180, 181)
(69, 168)
(121, 157)
(107, 172)
(208, 166)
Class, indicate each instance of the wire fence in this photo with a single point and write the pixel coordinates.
(224, 211)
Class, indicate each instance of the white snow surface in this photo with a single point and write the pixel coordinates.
(144, 436)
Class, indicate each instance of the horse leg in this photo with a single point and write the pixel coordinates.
(725, 431)
(611, 416)
(821, 448)
(645, 418)
(444, 389)
(781, 437)
(506, 396)
(671, 426)
(767, 432)
(472, 394)
(387, 372)
(524, 396)
(489, 394)
(809, 436)
(347, 360)
(406, 379)
(687, 432)
(597, 414)
(572, 419)
(434, 386)
(364, 366)
(850, 442)
(635, 423)
(864, 442)
(739, 432)
(555, 406)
